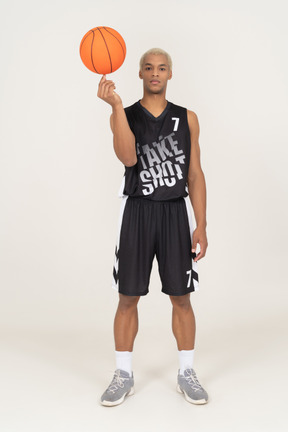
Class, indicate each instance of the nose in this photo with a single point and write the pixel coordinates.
(155, 72)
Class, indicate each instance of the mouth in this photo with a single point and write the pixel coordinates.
(155, 82)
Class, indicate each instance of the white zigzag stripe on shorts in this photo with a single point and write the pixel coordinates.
(115, 278)
(194, 264)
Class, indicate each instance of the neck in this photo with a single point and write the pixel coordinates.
(154, 102)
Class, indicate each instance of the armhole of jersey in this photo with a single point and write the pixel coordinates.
(187, 120)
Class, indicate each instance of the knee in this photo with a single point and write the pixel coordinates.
(181, 302)
(127, 303)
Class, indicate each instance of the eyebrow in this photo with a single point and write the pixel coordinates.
(150, 64)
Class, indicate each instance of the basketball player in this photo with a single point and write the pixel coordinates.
(157, 142)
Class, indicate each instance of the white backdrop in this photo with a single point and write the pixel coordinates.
(60, 177)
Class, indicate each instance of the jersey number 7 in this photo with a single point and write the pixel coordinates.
(176, 119)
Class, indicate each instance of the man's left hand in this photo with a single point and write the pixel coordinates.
(199, 237)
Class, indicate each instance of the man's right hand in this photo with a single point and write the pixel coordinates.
(106, 92)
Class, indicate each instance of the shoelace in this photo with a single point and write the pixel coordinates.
(117, 382)
(193, 380)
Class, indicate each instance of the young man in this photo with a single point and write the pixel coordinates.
(157, 142)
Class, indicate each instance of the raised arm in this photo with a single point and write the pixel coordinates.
(123, 137)
(197, 188)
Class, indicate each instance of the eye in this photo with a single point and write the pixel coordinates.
(147, 68)
(163, 69)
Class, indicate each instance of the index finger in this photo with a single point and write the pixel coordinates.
(103, 79)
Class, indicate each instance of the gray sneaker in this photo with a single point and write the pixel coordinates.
(192, 389)
(122, 385)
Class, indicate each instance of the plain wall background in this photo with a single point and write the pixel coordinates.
(60, 177)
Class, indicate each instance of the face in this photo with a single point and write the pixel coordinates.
(155, 73)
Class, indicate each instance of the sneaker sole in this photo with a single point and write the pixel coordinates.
(188, 399)
(119, 401)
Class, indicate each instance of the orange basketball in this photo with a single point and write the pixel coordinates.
(102, 50)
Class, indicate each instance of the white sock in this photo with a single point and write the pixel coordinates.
(124, 361)
(186, 358)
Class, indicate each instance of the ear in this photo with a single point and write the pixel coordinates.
(140, 74)
(170, 75)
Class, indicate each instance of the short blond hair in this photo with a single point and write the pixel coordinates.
(156, 51)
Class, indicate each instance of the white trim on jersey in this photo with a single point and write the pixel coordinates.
(190, 219)
(115, 278)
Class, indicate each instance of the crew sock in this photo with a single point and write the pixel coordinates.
(186, 358)
(124, 361)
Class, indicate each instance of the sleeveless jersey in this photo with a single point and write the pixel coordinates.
(163, 153)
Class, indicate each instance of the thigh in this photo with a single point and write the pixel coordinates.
(136, 248)
(177, 269)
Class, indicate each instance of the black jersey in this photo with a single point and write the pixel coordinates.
(163, 153)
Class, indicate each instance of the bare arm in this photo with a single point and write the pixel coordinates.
(197, 188)
(123, 137)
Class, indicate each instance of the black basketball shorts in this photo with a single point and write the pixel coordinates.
(154, 228)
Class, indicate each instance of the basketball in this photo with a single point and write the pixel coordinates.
(102, 50)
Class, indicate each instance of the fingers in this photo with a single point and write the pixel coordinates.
(200, 255)
(106, 92)
(203, 247)
(103, 79)
(105, 88)
(101, 83)
(194, 243)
